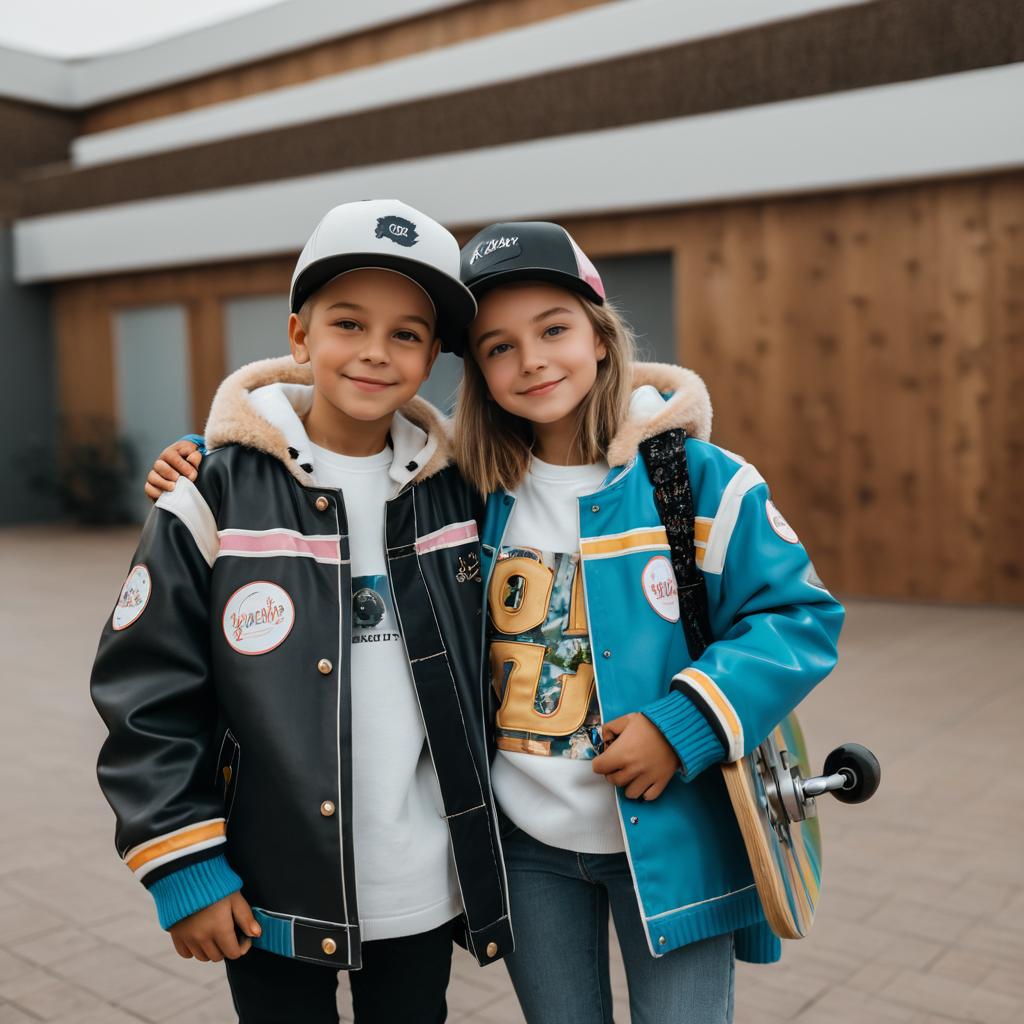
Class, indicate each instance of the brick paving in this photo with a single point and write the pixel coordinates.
(922, 914)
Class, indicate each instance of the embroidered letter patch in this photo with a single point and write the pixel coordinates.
(134, 597)
(503, 248)
(659, 583)
(258, 617)
(398, 229)
(779, 524)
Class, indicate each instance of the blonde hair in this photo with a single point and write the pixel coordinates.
(493, 447)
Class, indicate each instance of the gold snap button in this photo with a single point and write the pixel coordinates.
(322, 504)
(492, 949)
(329, 946)
(323, 666)
(662, 940)
(327, 808)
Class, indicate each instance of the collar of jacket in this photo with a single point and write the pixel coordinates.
(261, 406)
(664, 397)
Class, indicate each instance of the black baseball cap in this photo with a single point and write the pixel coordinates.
(529, 250)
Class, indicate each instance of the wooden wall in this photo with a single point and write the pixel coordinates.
(85, 312)
(865, 350)
(471, 20)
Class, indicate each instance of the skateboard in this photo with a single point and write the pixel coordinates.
(778, 818)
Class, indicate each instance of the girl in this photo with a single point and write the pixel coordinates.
(607, 733)
(605, 729)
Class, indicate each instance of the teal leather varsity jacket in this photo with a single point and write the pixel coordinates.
(775, 628)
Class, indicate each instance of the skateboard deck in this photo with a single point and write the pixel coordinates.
(785, 854)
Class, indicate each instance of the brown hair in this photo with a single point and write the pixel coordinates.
(493, 447)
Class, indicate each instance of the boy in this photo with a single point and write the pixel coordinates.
(297, 652)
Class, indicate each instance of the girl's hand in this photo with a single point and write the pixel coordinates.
(637, 757)
(178, 459)
(209, 934)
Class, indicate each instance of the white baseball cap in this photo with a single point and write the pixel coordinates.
(391, 235)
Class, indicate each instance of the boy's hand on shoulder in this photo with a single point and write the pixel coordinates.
(179, 459)
(637, 757)
(209, 934)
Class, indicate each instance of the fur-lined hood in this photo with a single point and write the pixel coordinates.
(689, 407)
(262, 404)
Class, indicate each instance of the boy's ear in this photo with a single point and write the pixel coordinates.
(297, 339)
(435, 350)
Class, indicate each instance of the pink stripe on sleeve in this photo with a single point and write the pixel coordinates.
(447, 537)
(278, 542)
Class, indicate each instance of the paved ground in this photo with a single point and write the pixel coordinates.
(922, 917)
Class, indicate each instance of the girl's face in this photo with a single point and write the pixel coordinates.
(537, 350)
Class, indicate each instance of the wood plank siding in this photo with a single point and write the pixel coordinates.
(416, 35)
(865, 350)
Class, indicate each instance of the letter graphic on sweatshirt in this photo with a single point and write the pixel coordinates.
(541, 665)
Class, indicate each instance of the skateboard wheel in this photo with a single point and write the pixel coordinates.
(861, 766)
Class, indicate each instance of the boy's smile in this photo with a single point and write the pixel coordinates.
(369, 339)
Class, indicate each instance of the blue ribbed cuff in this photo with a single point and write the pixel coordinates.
(197, 439)
(682, 724)
(758, 944)
(193, 887)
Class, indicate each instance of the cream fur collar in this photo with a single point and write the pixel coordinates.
(267, 421)
(688, 407)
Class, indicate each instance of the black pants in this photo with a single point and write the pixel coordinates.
(401, 980)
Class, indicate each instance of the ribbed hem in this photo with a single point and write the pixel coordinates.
(275, 933)
(688, 731)
(193, 887)
(733, 912)
(758, 944)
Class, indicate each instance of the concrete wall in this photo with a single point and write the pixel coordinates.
(28, 400)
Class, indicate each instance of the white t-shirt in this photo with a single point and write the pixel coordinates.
(405, 875)
(543, 776)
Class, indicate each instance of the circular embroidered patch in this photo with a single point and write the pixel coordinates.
(258, 617)
(659, 582)
(134, 597)
(778, 523)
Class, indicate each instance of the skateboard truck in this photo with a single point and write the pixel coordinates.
(851, 774)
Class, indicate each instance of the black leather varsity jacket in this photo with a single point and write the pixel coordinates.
(223, 678)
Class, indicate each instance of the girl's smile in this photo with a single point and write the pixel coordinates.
(543, 389)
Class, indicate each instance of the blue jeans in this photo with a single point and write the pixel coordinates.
(560, 902)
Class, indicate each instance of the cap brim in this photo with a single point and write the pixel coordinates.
(565, 280)
(455, 303)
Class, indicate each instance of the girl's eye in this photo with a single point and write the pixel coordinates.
(554, 330)
(498, 349)
(407, 336)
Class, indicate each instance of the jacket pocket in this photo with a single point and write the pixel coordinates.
(227, 770)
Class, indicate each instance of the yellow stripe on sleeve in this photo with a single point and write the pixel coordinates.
(625, 542)
(179, 841)
(725, 713)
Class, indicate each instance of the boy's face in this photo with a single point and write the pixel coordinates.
(370, 342)
(537, 350)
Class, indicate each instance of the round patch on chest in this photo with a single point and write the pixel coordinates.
(659, 582)
(258, 617)
(134, 597)
(778, 523)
